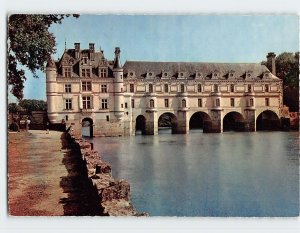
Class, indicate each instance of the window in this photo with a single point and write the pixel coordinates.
(199, 88)
(126, 105)
(181, 87)
(166, 103)
(267, 101)
(232, 102)
(68, 88)
(150, 88)
(67, 72)
(216, 88)
(107, 118)
(217, 102)
(251, 102)
(67, 117)
(102, 73)
(183, 103)
(86, 86)
(151, 103)
(249, 88)
(68, 103)
(131, 88)
(231, 88)
(104, 88)
(86, 73)
(84, 59)
(86, 102)
(266, 88)
(166, 87)
(121, 105)
(132, 103)
(200, 103)
(104, 104)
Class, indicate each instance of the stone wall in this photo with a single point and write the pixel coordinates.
(114, 195)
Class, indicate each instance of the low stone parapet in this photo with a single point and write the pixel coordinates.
(114, 195)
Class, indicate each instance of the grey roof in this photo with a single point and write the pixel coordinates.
(190, 69)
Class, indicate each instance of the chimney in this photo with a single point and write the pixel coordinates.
(77, 50)
(271, 62)
(91, 51)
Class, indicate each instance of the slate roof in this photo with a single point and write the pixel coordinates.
(190, 69)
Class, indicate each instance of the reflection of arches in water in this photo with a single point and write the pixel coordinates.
(233, 121)
(267, 120)
(140, 125)
(168, 120)
(87, 127)
(199, 120)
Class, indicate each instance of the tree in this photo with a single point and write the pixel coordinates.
(287, 69)
(33, 105)
(30, 45)
(14, 108)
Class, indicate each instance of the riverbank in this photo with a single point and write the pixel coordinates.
(54, 175)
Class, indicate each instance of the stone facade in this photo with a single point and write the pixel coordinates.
(84, 85)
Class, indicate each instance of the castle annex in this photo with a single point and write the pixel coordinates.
(84, 88)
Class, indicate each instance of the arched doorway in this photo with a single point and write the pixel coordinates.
(200, 121)
(87, 127)
(140, 125)
(233, 121)
(267, 120)
(167, 122)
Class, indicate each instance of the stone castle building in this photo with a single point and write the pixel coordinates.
(84, 88)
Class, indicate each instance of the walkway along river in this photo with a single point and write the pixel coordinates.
(228, 174)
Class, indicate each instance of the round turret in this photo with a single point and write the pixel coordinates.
(51, 74)
(118, 85)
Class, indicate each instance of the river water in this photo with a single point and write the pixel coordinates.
(196, 174)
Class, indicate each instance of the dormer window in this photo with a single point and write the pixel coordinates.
(215, 75)
(198, 75)
(86, 73)
(67, 72)
(150, 75)
(103, 73)
(231, 74)
(131, 74)
(85, 60)
(165, 74)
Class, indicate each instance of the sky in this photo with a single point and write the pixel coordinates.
(191, 38)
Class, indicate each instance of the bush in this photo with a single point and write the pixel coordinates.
(14, 127)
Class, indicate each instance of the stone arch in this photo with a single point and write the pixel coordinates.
(140, 124)
(233, 121)
(267, 120)
(168, 120)
(200, 120)
(87, 127)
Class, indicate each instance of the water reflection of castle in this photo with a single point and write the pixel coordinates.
(83, 86)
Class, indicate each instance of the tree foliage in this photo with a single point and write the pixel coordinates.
(287, 69)
(33, 105)
(30, 45)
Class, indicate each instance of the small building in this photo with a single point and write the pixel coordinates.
(86, 89)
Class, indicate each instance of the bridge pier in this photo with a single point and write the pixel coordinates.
(151, 125)
(215, 125)
(182, 122)
(250, 121)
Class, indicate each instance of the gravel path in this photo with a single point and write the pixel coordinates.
(44, 178)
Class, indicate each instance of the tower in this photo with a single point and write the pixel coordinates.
(118, 86)
(51, 74)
